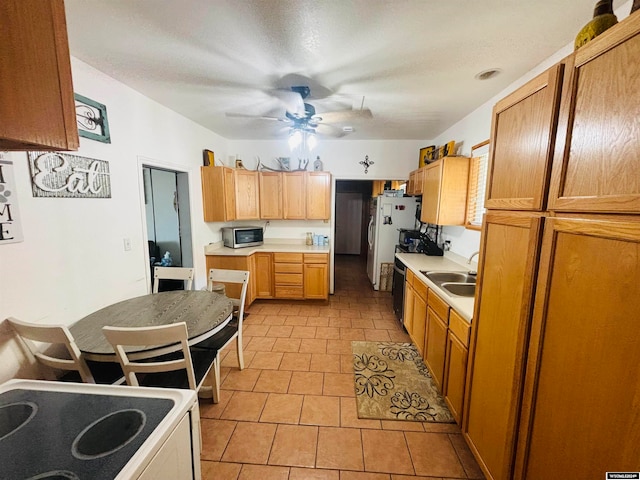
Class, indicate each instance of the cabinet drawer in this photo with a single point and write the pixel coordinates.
(420, 288)
(287, 257)
(410, 277)
(439, 306)
(459, 327)
(287, 267)
(289, 291)
(288, 279)
(315, 258)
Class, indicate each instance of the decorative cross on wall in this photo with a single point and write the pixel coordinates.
(367, 163)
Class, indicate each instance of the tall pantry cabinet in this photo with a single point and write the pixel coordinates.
(554, 380)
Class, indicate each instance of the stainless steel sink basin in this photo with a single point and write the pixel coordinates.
(459, 289)
(458, 277)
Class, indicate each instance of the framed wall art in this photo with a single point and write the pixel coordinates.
(426, 155)
(91, 118)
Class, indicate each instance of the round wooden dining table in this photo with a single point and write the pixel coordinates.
(204, 312)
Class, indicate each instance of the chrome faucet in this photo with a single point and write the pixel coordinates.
(472, 272)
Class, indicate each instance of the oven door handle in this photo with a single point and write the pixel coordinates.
(401, 272)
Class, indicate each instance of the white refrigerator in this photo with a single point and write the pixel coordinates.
(387, 215)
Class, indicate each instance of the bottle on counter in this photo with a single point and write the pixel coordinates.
(309, 240)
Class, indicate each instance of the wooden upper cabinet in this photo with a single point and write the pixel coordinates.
(418, 181)
(583, 380)
(271, 195)
(247, 194)
(597, 162)
(444, 193)
(37, 108)
(218, 194)
(318, 195)
(293, 193)
(522, 140)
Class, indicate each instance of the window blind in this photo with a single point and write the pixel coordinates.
(477, 189)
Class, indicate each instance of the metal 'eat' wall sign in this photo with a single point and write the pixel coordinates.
(62, 175)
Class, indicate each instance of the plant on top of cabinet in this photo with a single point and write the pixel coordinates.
(36, 88)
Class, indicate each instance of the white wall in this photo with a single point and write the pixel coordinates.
(476, 128)
(72, 260)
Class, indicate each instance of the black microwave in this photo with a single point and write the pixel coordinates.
(238, 237)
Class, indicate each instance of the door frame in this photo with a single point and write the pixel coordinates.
(144, 161)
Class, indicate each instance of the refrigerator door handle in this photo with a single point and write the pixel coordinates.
(370, 233)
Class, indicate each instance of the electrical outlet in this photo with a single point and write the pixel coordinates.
(127, 244)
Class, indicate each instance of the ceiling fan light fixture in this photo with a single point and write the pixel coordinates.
(488, 74)
(312, 141)
(295, 139)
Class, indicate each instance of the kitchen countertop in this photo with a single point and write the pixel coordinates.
(293, 246)
(449, 263)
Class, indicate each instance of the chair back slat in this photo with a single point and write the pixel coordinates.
(53, 335)
(120, 337)
(172, 273)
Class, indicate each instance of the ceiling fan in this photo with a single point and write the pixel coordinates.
(302, 116)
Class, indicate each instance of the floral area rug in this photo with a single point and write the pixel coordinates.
(393, 383)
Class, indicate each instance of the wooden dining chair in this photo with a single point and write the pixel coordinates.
(172, 273)
(63, 353)
(183, 368)
(236, 284)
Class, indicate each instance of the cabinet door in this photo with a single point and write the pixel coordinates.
(419, 323)
(232, 262)
(418, 180)
(408, 306)
(501, 321)
(37, 107)
(271, 195)
(262, 274)
(597, 162)
(444, 194)
(431, 192)
(522, 141)
(455, 373)
(583, 381)
(411, 183)
(316, 281)
(218, 194)
(294, 195)
(318, 195)
(436, 347)
(247, 194)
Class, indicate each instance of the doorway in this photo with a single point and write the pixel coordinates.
(352, 209)
(166, 198)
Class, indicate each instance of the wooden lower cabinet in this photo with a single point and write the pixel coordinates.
(316, 276)
(229, 262)
(416, 310)
(436, 347)
(582, 391)
(288, 278)
(262, 274)
(456, 364)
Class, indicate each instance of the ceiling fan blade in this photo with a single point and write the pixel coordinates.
(330, 130)
(292, 101)
(261, 117)
(344, 115)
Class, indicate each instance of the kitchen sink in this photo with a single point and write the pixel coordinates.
(457, 277)
(459, 289)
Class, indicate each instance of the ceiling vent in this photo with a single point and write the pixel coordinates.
(487, 74)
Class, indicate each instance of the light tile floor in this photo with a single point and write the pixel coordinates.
(291, 413)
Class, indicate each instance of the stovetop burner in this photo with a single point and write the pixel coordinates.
(14, 416)
(67, 436)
